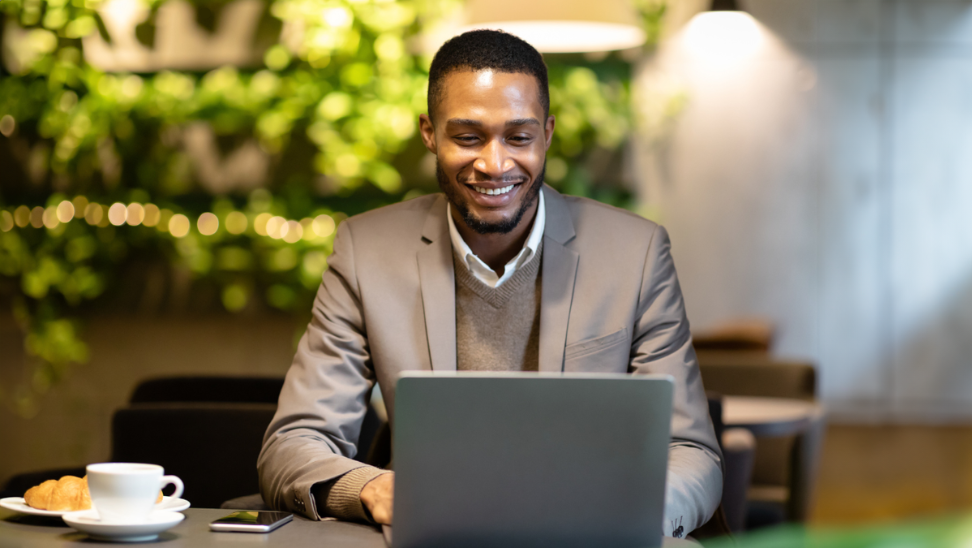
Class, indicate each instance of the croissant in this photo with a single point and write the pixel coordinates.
(67, 494)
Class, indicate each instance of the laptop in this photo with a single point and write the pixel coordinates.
(525, 460)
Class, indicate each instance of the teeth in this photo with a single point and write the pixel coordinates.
(493, 191)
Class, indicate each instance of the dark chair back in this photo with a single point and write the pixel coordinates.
(743, 374)
(784, 468)
(229, 389)
(212, 447)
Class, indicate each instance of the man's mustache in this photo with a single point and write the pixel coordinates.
(504, 180)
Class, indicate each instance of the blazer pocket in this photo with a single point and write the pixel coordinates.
(603, 354)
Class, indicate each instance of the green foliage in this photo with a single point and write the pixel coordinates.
(330, 108)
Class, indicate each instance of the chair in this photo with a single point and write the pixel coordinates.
(212, 447)
(207, 430)
(738, 448)
(785, 469)
(738, 335)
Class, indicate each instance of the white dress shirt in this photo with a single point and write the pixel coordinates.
(479, 269)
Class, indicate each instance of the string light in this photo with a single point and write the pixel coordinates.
(49, 218)
(7, 125)
(207, 224)
(323, 225)
(117, 214)
(93, 214)
(273, 227)
(307, 226)
(37, 217)
(291, 232)
(80, 204)
(236, 223)
(65, 211)
(152, 215)
(179, 225)
(22, 216)
(164, 220)
(135, 214)
(260, 223)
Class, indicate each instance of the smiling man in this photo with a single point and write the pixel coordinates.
(497, 273)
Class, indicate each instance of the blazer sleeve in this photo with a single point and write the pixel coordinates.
(662, 343)
(313, 435)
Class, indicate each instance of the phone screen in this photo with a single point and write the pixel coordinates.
(253, 518)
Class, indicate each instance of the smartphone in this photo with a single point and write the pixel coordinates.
(251, 522)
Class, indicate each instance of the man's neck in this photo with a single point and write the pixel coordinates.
(497, 249)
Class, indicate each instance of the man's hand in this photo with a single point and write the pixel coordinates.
(377, 496)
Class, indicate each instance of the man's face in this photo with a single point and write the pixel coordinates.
(490, 139)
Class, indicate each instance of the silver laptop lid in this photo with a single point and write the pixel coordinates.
(524, 459)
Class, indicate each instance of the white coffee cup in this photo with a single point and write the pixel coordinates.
(125, 492)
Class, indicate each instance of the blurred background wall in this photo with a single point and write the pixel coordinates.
(822, 181)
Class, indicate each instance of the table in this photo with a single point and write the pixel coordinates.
(32, 531)
(769, 417)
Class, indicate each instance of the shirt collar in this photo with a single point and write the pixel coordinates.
(476, 265)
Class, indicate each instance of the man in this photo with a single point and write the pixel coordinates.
(499, 273)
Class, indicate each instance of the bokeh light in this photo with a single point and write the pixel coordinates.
(207, 224)
(117, 214)
(307, 226)
(37, 217)
(274, 226)
(22, 216)
(260, 223)
(80, 204)
(6, 221)
(93, 214)
(135, 214)
(179, 225)
(236, 223)
(7, 125)
(235, 297)
(65, 211)
(291, 232)
(50, 218)
(152, 215)
(324, 226)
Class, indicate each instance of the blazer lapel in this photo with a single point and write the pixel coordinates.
(437, 278)
(557, 286)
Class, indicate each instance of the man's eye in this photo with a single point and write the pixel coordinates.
(520, 139)
(469, 139)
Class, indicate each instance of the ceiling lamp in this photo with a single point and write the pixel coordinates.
(724, 31)
(561, 26)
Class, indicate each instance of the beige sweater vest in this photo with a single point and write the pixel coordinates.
(497, 329)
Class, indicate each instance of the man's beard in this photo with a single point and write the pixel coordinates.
(479, 225)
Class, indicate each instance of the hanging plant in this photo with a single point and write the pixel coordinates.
(224, 141)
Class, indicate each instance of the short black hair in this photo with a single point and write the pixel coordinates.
(487, 49)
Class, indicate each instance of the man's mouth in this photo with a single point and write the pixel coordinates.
(492, 191)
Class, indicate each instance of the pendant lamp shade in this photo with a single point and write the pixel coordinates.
(561, 26)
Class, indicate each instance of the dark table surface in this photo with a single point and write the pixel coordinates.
(25, 531)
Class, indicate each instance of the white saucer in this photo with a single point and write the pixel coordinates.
(87, 521)
(17, 504)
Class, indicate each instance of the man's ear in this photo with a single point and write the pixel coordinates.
(548, 130)
(428, 132)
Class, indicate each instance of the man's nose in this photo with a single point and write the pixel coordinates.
(494, 161)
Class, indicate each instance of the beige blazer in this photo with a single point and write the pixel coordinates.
(610, 302)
